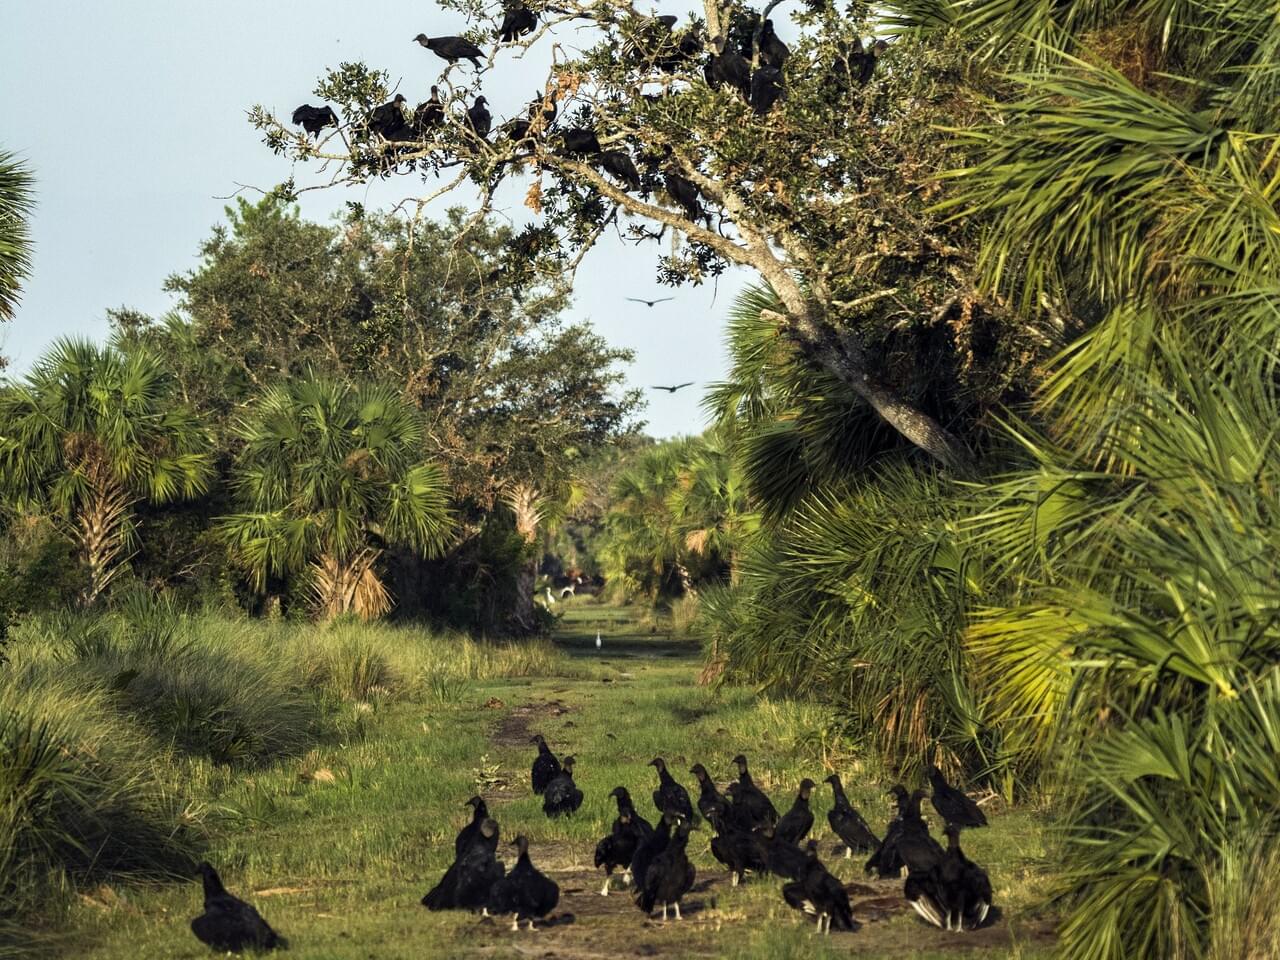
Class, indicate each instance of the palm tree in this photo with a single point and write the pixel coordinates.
(16, 201)
(330, 476)
(89, 433)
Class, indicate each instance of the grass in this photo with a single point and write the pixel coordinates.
(337, 842)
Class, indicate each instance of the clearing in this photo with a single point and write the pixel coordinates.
(337, 848)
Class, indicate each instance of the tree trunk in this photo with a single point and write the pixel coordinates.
(349, 585)
(522, 606)
(103, 531)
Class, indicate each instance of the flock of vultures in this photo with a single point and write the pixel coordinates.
(750, 838)
(753, 68)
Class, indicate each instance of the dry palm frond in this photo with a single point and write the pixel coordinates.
(349, 586)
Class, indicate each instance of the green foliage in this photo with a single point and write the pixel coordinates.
(328, 475)
(90, 432)
(677, 516)
(17, 187)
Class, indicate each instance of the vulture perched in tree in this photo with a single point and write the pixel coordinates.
(228, 923)
(452, 49)
(728, 67)
(479, 119)
(314, 119)
(388, 120)
(685, 195)
(580, 142)
(430, 113)
(773, 52)
(516, 22)
(766, 89)
(618, 163)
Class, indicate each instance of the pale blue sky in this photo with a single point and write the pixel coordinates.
(132, 114)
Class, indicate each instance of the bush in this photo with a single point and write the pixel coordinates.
(80, 800)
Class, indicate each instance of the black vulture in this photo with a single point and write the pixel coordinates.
(429, 114)
(952, 805)
(388, 120)
(766, 89)
(867, 62)
(618, 163)
(955, 894)
(773, 52)
(674, 387)
(651, 304)
(580, 142)
(739, 850)
(669, 876)
(616, 850)
(650, 847)
(525, 892)
(452, 49)
(468, 882)
(818, 893)
(562, 794)
(795, 824)
(782, 859)
(685, 194)
(545, 764)
(516, 22)
(906, 842)
(848, 824)
(479, 119)
(729, 68)
(480, 813)
(315, 119)
(670, 796)
(625, 803)
(687, 46)
(711, 803)
(228, 923)
(751, 806)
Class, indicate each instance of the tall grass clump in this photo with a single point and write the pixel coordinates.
(82, 798)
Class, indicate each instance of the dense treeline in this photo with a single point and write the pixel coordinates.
(333, 420)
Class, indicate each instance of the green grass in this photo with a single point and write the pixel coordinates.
(337, 843)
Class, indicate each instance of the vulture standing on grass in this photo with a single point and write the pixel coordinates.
(452, 49)
(562, 794)
(470, 878)
(796, 823)
(315, 119)
(228, 923)
(516, 22)
(739, 850)
(848, 824)
(545, 764)
(479, 814)
(650, 847)
(782, 859)
(669, 876)
(625, 837)
(906, 842)
(750, 806)
(670, 796)
(952, 805)
(711, 803)
(525, 892)
(819, 894)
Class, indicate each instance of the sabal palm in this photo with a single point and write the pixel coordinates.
(90, 432)
(16, 202)
(329, 475)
